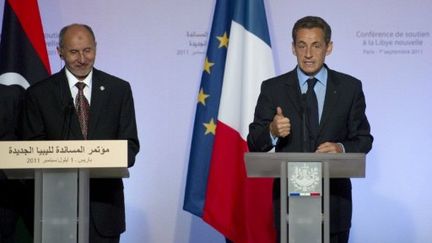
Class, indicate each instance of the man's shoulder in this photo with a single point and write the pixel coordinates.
(344, 81)
(109, 78)
(283, 79)
(337, 75)
(46, 84)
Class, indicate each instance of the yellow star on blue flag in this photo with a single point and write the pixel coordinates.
(202, 97)
(207, 65)
(210, 127)
(223, 40)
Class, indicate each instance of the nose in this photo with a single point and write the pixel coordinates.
(308, 52)
(81, 57)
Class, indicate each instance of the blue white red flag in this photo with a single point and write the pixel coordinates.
(239, 58)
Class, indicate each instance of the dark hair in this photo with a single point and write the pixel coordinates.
(310, 22)
(64, 29)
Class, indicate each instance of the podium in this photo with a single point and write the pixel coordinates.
(62, 172)
(305, 187)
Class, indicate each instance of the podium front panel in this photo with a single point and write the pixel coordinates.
(59, 207)
(61, 170)
(304, 202)
(303, 211)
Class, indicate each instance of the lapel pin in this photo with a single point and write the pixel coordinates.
(102, 88)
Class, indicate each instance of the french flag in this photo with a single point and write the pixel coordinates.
(23, 54)
(238, 59)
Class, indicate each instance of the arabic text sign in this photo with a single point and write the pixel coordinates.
(63, 154)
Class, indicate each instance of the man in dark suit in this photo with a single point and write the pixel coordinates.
(342, 126)
(10, 204)
(52, 112)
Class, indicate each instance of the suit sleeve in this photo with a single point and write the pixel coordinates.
(359, 139)
(259, 139)
(127, 126)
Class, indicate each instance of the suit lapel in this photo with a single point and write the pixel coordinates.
(331, 98)
(65, 94)
(99, 97)
(293, 91)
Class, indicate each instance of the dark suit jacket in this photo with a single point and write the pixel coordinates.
(49, 114)
(343, 121)
(10, 108)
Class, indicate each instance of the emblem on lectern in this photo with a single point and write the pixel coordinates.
(305, 178)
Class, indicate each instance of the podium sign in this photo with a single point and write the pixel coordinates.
(305, 188)
(63, 154)
(62, 171)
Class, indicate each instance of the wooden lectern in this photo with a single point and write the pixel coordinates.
(305, 183)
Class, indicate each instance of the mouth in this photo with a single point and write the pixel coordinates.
(308, 63)
(82, 65)
(82, 68)
(81, 71)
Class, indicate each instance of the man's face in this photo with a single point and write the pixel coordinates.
(78, 51)
(311, 49)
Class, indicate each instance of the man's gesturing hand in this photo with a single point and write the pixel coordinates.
(280, 126)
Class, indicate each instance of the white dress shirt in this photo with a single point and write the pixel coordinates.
(72, 80)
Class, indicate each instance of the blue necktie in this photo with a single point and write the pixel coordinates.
(312, 111)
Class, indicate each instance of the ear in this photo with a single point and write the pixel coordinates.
(329, 48)
(293, 49)
(60, 53)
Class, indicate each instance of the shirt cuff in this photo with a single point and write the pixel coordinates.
(274, 139)
(343, 148)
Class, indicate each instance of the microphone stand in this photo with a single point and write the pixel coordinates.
(69, 109)
(304, 125)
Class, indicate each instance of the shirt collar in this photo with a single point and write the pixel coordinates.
(321, 76)
(72, 80)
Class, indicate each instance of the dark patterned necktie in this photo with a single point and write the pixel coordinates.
(312, 108)
(82, 108)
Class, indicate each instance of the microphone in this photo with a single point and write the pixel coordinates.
(304, 126)
(69, 108)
